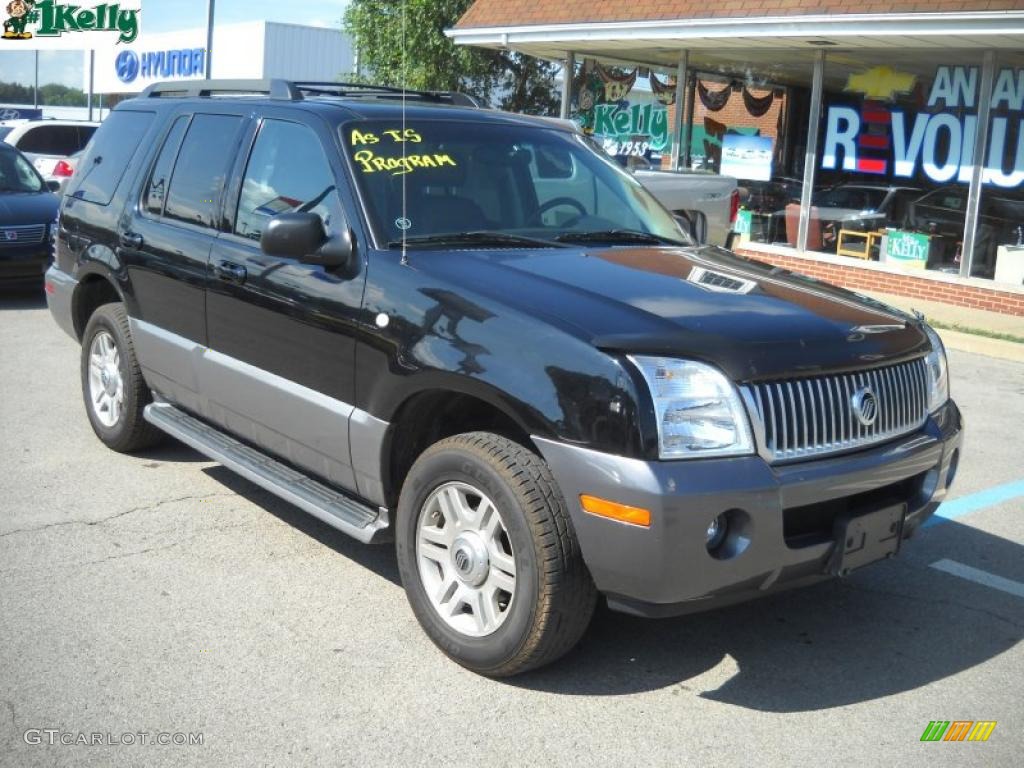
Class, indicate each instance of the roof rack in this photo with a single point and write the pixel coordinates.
(286, 90)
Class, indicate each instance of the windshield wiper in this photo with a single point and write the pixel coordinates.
(481, 238)
(616, 236)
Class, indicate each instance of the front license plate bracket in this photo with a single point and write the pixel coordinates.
(866, 538)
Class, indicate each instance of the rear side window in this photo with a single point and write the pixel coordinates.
(101, 169)
(201, 169)
(60, 140)
(156, 189)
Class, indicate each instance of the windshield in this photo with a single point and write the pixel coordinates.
(513, 184)
(857, 198)
(17, 174)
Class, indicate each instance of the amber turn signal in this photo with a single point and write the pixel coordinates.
(614, 511)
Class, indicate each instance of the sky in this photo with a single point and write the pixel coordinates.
(65, 67)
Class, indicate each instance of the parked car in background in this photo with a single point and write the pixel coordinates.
(864, 206)
(941, 214)
(28, 209)
(707, 202)
(46, 142)
(64, 170)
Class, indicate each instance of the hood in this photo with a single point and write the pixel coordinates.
(21, 209)
(750, 319)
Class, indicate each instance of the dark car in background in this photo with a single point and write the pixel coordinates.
(28, 209)
(941, 214)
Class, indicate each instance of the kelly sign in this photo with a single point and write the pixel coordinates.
(940, 144)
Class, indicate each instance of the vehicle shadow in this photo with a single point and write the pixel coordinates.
(379, 559)
(22, 297)
(888, 629)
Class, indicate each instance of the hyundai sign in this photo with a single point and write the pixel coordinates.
(160, 65)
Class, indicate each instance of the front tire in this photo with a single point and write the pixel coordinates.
(489, 558)
(113, 389)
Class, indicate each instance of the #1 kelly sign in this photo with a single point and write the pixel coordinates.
(939, 144)
(48, 24)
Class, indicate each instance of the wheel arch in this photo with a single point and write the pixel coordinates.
(94, 289)
(430, 415)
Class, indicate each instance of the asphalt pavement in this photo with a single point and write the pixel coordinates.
(160, 597)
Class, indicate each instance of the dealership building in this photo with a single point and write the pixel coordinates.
(256, 49)
(879, 144)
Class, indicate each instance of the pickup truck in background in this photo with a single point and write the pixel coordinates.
(708, 202)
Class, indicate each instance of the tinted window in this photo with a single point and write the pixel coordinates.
(101, 169)
(287, 172)
(55, 139)
(4, 131)
(201, 169)
(156, 189)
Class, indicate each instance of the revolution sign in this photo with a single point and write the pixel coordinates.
(940, 144)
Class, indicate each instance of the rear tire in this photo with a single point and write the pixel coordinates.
(489, 558)
(113, 389)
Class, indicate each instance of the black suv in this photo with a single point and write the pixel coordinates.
(470, 331)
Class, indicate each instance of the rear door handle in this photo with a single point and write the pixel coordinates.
(131, 240)
(231, 272)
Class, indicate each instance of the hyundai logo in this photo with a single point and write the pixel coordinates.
(865, 406)
(127, 66)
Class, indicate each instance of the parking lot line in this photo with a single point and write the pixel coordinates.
(975, 502)
(980, 577)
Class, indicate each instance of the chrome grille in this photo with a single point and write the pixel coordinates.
(796, 418)
(17, 237)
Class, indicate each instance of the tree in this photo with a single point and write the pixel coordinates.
(51, 94)
(416, 53)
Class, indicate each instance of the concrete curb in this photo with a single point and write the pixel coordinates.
(982, 345)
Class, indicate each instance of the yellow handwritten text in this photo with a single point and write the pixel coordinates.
(371, 163)
(360, 138)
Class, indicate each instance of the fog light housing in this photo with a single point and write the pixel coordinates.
(716, 532)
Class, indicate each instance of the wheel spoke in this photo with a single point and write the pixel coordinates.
(502, 580)
(503, 562)
(446, 591)
(451, 505)
(489, 520)
(440, 536)
(432, 551)
(485, 610)
(115, 410)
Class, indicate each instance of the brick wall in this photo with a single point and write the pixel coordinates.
(487, 13)
(857, 276)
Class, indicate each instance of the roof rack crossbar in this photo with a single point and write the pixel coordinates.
(279, 90)
(286, 90)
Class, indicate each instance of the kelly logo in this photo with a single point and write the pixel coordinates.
(52, 19)
(621, 123)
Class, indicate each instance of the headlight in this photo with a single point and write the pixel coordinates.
(938, 371)
(698, 410)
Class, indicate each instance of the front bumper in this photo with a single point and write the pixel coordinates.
(781, 516)
(24, 265)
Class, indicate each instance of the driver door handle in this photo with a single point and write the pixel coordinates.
(131, 240)
(231, 272)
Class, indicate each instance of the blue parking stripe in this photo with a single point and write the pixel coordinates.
(975, 502)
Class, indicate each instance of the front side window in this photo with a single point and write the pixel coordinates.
(287, 172)
(436, 178)
(17, 174)
(201, 169)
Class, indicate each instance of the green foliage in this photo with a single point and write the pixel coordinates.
(51, 94)
(418, 55)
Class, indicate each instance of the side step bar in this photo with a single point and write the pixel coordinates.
(337, 510)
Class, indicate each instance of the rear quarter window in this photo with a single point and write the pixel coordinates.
(102, 168)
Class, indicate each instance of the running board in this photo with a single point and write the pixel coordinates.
(337, 510)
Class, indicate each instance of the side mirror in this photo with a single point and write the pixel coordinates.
(301, 236)
(53, 186)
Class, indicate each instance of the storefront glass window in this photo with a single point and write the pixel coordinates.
(895, 156)
(999, 239)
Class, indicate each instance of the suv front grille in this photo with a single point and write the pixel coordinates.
(816, 416)
(18, 237)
